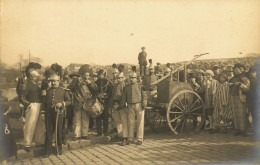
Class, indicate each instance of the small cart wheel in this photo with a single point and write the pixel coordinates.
(156, 119)
(185, 112)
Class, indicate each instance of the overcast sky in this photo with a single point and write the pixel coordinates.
(113, 31)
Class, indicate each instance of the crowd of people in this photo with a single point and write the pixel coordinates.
(60, 103)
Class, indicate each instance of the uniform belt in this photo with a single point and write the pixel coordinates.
(35, 102)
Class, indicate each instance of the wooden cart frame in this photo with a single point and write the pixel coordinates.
(177, 107)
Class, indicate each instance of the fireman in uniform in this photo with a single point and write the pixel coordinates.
(135, 98)
(119, 115)
(103, 93)
(56, 100)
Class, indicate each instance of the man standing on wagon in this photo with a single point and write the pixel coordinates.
(142, 61)
(136, 102)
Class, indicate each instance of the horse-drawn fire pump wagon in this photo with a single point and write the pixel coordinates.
(177, 105)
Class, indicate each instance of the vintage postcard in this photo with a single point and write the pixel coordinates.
(129, 82)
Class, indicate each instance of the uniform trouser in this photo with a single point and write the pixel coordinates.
(80, 122)
(70, 115)
(91, 122)
(142, 67)
(50, 121)
(125, 124)
(118, 122)
(103, 117)
(135, 112)
(239, 112)
(32, 121)
(64, 128)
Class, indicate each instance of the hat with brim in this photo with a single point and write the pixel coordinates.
(200, 72)
(85, 68)
(101, 71)
(210, 72)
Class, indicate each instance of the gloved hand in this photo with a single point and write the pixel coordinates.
(58, 105)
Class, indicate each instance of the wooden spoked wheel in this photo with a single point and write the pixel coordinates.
(185, 112)
(156, 119)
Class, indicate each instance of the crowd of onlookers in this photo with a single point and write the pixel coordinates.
(230, 95)
(62, 102)
(229, 89)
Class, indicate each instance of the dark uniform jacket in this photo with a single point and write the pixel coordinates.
(133, 94)
(142, 58)
(31, 94)
(54, 96)
(104, 87)
(148, 80)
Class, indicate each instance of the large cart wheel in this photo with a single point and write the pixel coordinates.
(156, 119)
(186, 112)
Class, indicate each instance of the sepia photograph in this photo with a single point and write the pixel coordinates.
(129, 82)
